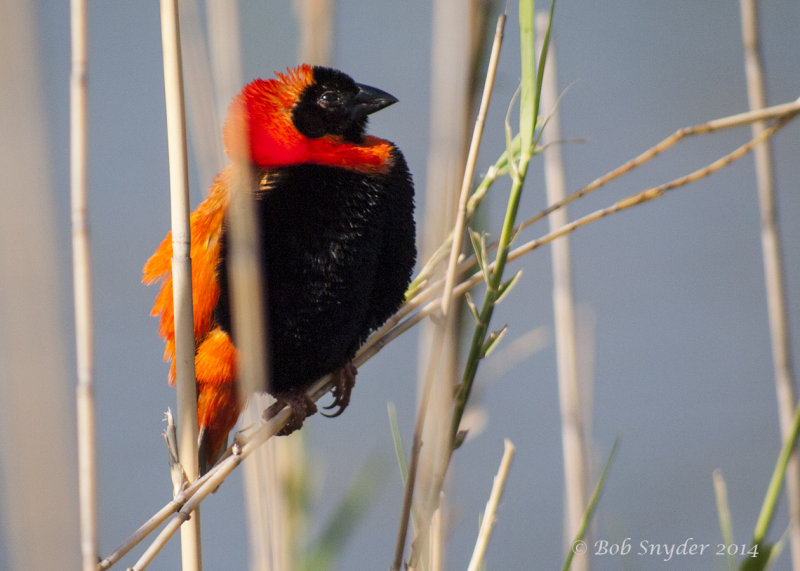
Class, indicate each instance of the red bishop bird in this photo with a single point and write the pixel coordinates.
(336, 228)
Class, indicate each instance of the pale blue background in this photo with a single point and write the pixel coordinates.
(682, 360)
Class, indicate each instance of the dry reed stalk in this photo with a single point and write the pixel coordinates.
(82, 286)
(204, 114)
(438, 344)
(426, 287)
(574, 433)
(472, 158)
(39, 513)
(191, 554)
(410, 483)
(248, 285)
(785, 111)
(265, 501)
(489, 514)
(777, 309)
(267, 541)
(315, 18)
(440, 372)
(274, 518)
(248, 307)
(436, 542)
(411, 318)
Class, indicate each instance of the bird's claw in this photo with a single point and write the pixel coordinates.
(302, 407)
(344, 380)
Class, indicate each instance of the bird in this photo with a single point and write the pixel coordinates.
(335, 211)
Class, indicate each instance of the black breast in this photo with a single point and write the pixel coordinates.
(338, 250)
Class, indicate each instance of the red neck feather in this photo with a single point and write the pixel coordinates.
(259, 129)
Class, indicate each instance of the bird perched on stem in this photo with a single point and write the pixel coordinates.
(336, 234)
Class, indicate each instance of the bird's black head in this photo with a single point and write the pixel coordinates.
(334, 104)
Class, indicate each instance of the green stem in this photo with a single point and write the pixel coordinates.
(530, 94)
(490, 297)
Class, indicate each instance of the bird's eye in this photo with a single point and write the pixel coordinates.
(329, 99)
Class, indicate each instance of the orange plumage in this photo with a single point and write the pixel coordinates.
(215, 366)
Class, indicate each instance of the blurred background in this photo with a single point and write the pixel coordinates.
(670, 295)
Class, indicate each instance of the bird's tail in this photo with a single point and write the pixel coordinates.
(218, 404)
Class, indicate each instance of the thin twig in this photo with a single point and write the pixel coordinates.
(730, 122)
(647, 195)
(181, 269)
(472, 158)
(777, 308)
(176, 473)
(414, 455)
(785, 111)
(451, 46)
(404, 320)
(421, 284)
(487, 524)
(82, 285)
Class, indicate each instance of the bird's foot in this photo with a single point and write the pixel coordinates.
(301, 404)
(344, 380)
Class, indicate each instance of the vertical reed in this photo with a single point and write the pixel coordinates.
(573, 431)
(82, 285)
(191, 554)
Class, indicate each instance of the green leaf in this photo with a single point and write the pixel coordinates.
(472, 307)
(506, 286)
(540, 70)
(492, 341)
(776, 482)
(513, 165)
(761, 560)
(724, 514)
(479, 245)
(527, 107)
(397, 440)
(593, 501)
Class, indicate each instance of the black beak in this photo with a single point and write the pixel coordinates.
(369, 100)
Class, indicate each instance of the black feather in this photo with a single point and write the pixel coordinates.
(338, 249)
